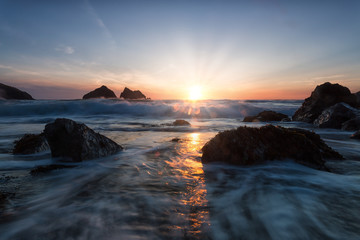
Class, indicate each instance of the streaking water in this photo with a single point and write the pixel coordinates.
(158, 189)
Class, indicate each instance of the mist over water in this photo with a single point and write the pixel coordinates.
(159, 189)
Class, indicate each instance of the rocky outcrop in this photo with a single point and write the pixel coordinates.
(31, 143)
(266, 116)
(101, 92)
(132, 95)
(180, 122)
(249, 146)
(358, 98)
(7, 92)
(356, 135)
(351, 125)
(76, 142)
(335, 116)
(324, 96)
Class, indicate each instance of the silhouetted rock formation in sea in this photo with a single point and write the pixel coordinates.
(7, 92)
(181, 122)
(101, 92)
(249, 146)
(356, 135)
(132, 95)
(266, 116)
(31, 143)
(352, 124)
(76, 142)
(324, 96)
(335, 116)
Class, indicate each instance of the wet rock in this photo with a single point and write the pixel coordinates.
(352, 124)
(31, 143)
(132, 95)
(3, 199)
(266, 116)
(101, 92)
(249, 146)
(175, 140)
(356, 135)
(76, 142)
(324, 96)
(287, 119)
(3, 202)
(358, 98)
(335, 116)
(48, 168)
(8, 92)
(181, 122)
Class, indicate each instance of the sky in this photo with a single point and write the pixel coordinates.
(255, 49)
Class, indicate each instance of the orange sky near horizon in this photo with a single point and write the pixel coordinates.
(76, 90)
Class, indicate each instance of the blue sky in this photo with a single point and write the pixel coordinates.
(232, 49)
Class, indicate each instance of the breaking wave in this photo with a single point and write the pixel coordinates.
(153, 109)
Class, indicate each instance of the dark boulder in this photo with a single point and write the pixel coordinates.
(249, 146)
(7, 92)
(132, 95)
(77, 142)
(180, 122)
(351, 125)
(335, 116)
(358, 98)
(101, 92)
(356, 135)
(324, 96)
(266, 116)
(31, 143)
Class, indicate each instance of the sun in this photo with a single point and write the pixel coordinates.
(195, 93)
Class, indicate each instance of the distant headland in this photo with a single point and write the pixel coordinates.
(8, 92)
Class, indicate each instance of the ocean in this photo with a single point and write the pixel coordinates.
(159, 189)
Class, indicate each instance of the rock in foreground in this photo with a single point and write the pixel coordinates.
(335, 116)
(352, 124)
(266, 116)
(324, 96)
(77, 142)
(356, 135)
(31, 143)
(250, 146)
(101, 92)
(132, 95)
(7, 92)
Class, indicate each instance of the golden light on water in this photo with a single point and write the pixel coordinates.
(190, 170)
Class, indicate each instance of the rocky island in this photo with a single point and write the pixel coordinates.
(132, 95)
(8, 92)
(101, 92)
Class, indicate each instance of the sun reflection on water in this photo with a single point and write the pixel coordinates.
(190, 169)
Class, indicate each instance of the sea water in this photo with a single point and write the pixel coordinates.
(159, 189)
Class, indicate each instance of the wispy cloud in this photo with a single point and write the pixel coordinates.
(65, 49)
(90, 9)
(329, 77)
(18, 70)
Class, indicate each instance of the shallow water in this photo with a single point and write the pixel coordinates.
(159, 189)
